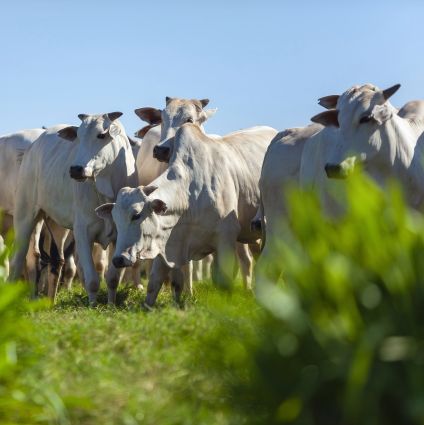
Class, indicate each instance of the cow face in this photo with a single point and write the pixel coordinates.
(363, 117)
(176, 113)
(97, 148)
(136, 219)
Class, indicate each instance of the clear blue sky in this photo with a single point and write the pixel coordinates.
(259, 62)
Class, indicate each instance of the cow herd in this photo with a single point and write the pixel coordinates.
(180, 196)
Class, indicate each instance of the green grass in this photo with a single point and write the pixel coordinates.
(126, 366)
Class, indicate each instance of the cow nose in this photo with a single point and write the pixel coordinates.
(118, 262)
(161, 153)
(256, 225)
(76, 172)
(333, 171)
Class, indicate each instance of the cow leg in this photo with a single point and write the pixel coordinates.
(113, 277)
(84, 245)
(24, 223)
(197, 270)
(158, 275)
(246, 264)
(70, 268)
(206, 266)
(57, 259)
(100, 258)
(33, 255)
(187, 272)
(178, 275)
(70, 271)
(224, 264)
(136, 275)
(148, 268)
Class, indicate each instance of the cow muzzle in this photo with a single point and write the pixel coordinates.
(335, 171)
(162, 153)
(79, 173)
(122, 261)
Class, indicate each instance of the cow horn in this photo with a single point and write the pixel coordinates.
(390, 91)
(204, 102)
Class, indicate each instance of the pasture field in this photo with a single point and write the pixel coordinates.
(126, 366)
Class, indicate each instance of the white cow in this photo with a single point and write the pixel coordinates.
(203, 203)
(372, 133)
(281, 170)
(98, 154)
(12, 149)
(176, 113)
(161, 126)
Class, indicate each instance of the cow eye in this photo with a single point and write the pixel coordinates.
(190, 120)
(365, 118)
(101, 136)
(136, 217)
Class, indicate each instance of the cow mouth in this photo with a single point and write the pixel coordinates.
(79, 179)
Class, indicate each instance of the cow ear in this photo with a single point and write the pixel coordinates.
(68, 133)
(329, 102)
(82, 117)
(147, 190)
(114, 115)
(143, 131)
(390, 91)
(105, 210)
(204, 102)
(168, 99)
(158, 206)
(327, 118)
(150, 115)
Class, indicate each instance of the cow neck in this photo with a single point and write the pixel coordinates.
(120, 173)
(401, 137)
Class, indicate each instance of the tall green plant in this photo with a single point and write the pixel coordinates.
(340, 340)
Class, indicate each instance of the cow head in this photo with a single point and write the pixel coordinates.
(176, 113)
(96, 149)
(136, 218)
(363, 118)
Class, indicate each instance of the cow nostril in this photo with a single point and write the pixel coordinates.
(76, 170)
(118, 262)
(256, 226)
(333, 170)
